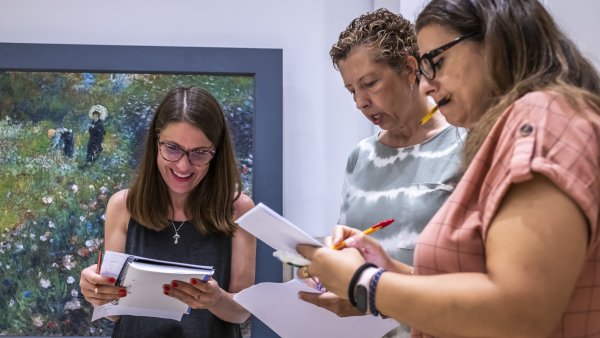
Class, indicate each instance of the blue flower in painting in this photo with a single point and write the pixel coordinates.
(120, 81)
(89, 80)
(89, 226)
(26, 294)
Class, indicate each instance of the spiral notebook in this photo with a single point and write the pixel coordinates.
(143, 279)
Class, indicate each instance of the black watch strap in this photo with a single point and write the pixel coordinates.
(354, 280)
(362, 289)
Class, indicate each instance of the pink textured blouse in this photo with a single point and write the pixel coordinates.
(539, 133)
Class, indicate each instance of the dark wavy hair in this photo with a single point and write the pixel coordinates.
(524, 51)
(389, 36)
(209, 205)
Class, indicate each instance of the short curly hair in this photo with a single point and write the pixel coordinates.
(389, 35)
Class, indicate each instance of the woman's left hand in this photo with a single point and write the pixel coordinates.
(331, 302)
(333, 268)
(197, 294)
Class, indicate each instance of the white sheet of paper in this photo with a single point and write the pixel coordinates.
(110, 309)
(276, 231)
(278, 306)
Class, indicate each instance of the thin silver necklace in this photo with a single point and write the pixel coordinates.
(176, 236)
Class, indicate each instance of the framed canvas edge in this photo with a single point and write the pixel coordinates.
(265, 64)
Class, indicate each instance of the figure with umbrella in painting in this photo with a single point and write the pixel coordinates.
(97, 114)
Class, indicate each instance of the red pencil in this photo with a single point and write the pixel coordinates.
(368, 231)
(98, 269)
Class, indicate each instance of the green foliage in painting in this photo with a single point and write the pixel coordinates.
(53, 201)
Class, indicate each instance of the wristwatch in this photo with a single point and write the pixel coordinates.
(361, 289)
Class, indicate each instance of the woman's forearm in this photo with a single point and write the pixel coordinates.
(463, 305)
(229, 310)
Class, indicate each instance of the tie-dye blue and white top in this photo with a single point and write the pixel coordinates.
(408, 184)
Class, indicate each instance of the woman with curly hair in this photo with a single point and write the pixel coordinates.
(408, 169)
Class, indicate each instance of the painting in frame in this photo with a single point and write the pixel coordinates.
(72, 119)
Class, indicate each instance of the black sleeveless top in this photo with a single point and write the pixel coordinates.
(193, 248)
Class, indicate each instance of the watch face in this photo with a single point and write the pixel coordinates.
(360, 295)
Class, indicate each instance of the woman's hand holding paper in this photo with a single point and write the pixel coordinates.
(339, 265)
(107, 291)
(197, 294)
(331, 302)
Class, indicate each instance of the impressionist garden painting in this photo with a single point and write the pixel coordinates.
(68, 141)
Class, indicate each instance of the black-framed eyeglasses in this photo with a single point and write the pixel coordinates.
(428, 67)
(173, 153)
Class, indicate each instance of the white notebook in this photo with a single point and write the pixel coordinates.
(143, 279)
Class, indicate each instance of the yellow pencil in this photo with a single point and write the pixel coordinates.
(429, 114)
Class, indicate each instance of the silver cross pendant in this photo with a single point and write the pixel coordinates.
(176, 237)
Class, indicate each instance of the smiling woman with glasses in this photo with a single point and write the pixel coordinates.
(428, 67)
(182, 206)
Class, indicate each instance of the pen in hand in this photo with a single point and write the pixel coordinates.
(368, 231)
(98, 269)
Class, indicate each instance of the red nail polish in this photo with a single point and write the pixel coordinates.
(166, 287)
(194, 282)
(111, 280)
(122, 293)
(174, 283)
(166, 292)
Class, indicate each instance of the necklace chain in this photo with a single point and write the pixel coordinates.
(177, 236)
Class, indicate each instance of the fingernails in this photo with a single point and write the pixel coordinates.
(122, 292)
(194, 281)
(166, 292)
(174, 283)
(111, 280)
(166, 287)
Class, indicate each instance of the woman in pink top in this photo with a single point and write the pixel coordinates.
(514, 251)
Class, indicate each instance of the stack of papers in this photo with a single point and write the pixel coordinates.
(143, 279)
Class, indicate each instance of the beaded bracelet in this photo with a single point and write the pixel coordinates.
(372, 287)
(354, 280)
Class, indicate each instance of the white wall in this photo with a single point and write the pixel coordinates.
(579, 19)
(320, 123)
